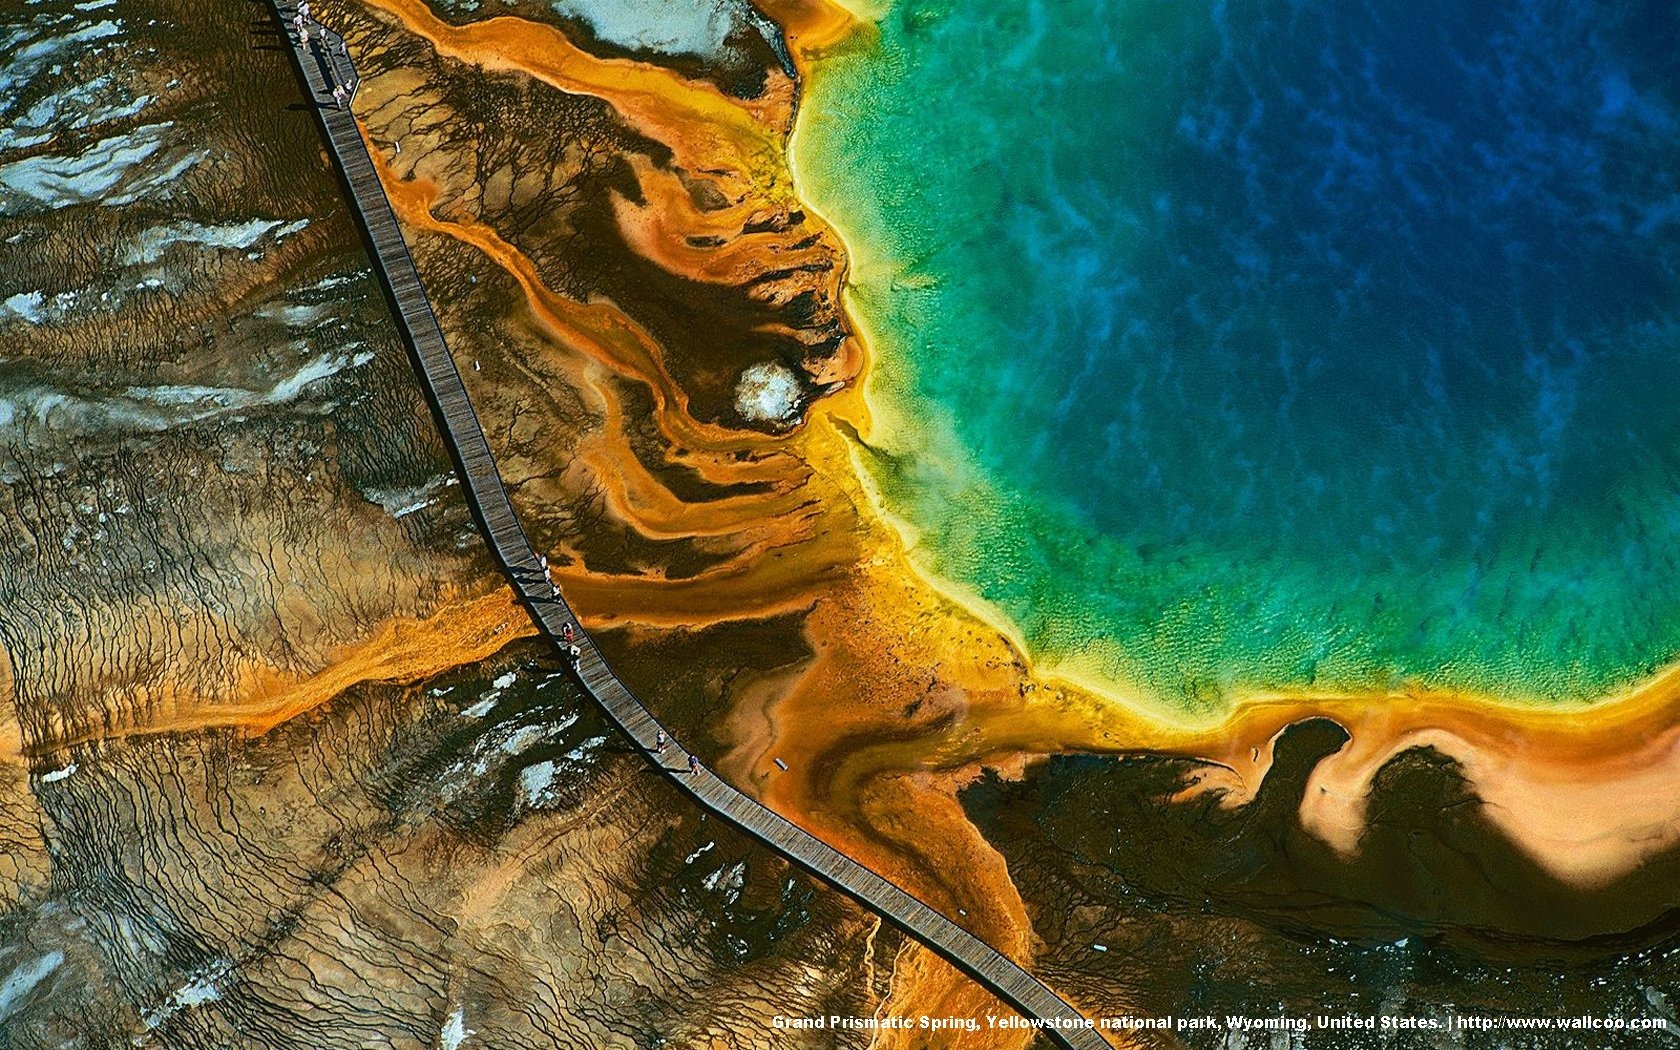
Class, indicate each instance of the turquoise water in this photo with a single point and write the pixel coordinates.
(1267, 344)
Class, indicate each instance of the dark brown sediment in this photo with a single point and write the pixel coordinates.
(1437, 913)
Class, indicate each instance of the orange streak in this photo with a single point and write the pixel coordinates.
(811, 27)
(690, 117)
(401, 650)
(599, 330)
(662, 230)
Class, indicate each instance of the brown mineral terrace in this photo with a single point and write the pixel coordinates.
(482, 484)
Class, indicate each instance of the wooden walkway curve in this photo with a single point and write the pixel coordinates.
(482, 484)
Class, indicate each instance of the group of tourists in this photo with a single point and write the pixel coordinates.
(301, 22)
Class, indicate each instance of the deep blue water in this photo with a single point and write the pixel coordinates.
(1290, 342)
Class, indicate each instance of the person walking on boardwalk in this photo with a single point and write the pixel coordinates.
(303, 10)
(574, 654)
(339, 95)
(659, 741)
(693, 764)
(566, 632)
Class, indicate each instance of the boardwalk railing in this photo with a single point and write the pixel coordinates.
(488, 498)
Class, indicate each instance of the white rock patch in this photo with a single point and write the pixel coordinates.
(51, 181)
(697, 28)
(768, 393)
(455, 1030)
(30, 306)
(535, 781)
(22, 980)
(151, 243)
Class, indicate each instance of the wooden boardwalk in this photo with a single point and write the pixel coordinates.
(482, 484)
